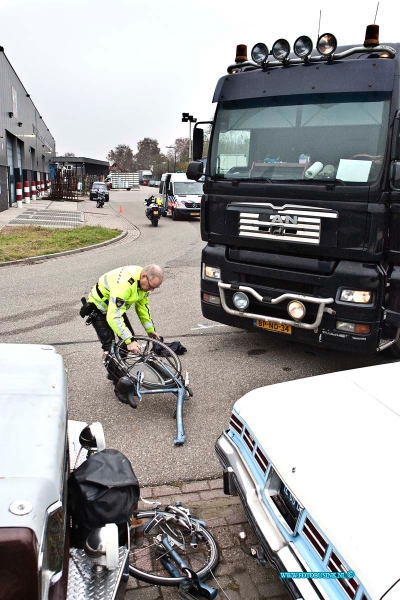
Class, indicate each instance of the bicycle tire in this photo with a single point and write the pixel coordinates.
(129, 360)
(206, 553)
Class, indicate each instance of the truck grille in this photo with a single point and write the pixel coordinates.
(293, 228)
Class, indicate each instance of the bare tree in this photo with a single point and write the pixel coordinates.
(68, 154)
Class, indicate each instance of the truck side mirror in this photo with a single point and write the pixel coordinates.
(194, 170)
(198, 141)
(395, 176)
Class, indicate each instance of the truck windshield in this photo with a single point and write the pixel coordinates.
(292, 138)
(186, 188)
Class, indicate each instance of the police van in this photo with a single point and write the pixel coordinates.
(181, 197)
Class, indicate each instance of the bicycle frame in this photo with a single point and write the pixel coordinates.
(179, 390)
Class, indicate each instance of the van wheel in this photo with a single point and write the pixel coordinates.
(175, 216)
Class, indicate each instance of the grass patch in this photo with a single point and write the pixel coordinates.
(27, 241)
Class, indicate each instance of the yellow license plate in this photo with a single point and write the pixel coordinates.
(155, 212)
(195, 214)
(271, 326)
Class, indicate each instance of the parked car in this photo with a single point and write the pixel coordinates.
(99, 186)
(39, 449)
(316, 465)
(108, 183)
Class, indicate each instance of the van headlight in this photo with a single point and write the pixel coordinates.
(356, 296)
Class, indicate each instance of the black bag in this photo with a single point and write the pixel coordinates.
(104, 489)
(175, 347)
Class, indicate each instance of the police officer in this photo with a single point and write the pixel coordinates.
(114, 293)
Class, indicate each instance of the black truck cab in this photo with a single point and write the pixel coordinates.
(303, 232)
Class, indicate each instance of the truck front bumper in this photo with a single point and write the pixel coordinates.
(281, 554)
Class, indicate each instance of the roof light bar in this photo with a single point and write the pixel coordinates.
(260, 53)
(303, 46)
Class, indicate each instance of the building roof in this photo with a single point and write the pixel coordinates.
(78, 160)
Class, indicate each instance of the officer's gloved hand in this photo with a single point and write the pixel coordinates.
(133, 347)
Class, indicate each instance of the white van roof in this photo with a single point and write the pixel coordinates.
(175, 177)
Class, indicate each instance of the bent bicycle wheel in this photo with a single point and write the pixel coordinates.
(157, 370)
(147, 561)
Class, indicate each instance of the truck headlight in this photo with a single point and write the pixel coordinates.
(360, 328)
(240, 301)
(211, 299)
(326, 44)
(281, 49)
(303, 46)
(259, 53)
(296, 310)
(357, 296)
(212, 272)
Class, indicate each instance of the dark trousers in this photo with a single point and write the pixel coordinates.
(104, 331)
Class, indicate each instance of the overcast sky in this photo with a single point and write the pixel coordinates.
(105, 72)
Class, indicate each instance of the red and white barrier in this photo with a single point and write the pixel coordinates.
(18, 189)
(27, 192)
(33, 185)
(42, 186)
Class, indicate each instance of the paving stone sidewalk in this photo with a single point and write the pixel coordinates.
(239, 575)
(53, 213)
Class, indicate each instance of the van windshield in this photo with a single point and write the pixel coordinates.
(312, 137)
(187, 188)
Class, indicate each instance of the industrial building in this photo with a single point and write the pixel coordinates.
(26, 144)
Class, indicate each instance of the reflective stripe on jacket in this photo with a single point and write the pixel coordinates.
(120, 289)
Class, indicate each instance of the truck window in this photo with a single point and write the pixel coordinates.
(313, 137)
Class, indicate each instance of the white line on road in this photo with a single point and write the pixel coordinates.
(200, 326)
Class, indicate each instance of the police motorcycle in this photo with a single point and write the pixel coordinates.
(154, 209)
(101, 198)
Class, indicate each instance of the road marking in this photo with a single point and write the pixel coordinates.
(200, 326)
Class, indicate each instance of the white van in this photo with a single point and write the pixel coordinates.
(181, 196)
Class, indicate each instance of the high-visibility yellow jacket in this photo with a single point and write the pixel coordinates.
(115, 292)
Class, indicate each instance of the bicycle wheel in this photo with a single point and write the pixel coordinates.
(150, 363)
(145, 561)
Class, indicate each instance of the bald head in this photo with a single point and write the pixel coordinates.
(151, 278)
(153, 271)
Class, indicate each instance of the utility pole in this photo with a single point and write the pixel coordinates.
(185, 118)
(173, 148)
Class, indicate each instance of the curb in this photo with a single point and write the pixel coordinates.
(65, 253)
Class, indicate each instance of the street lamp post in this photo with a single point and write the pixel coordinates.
(173, 148)
(185, 118)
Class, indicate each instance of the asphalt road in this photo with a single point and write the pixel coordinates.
(40, 304)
